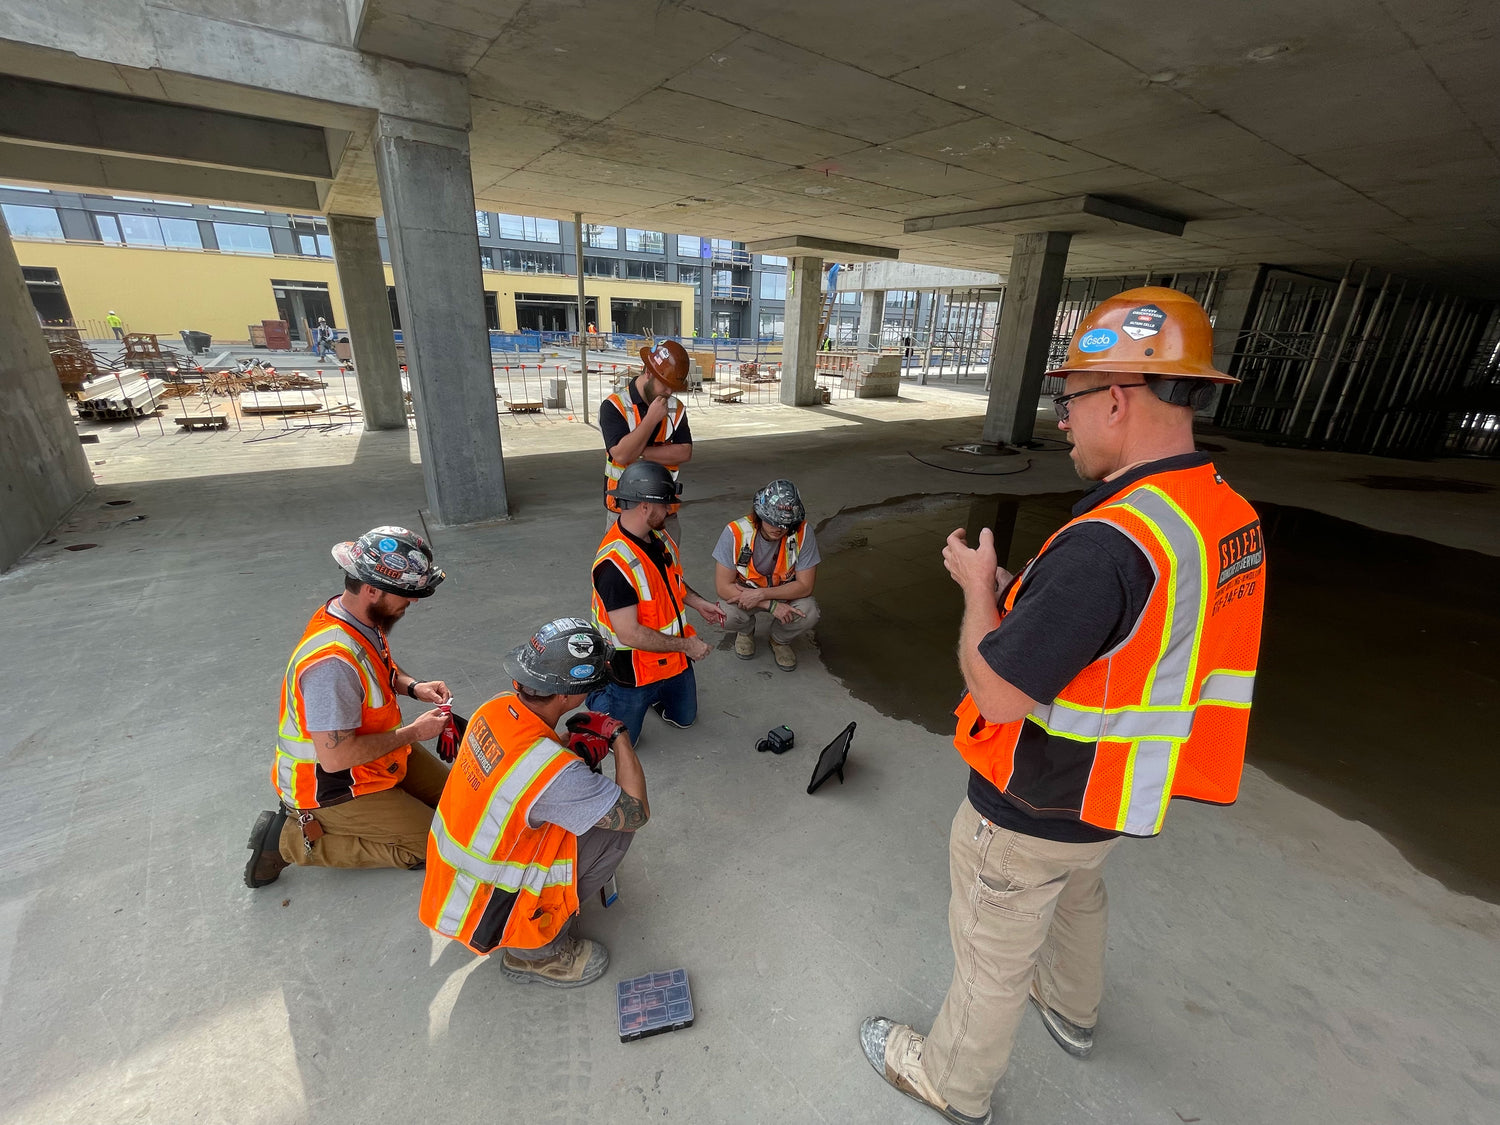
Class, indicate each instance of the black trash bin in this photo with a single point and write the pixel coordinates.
(196, 342)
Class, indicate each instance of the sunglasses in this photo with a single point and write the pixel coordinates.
(1060, 402)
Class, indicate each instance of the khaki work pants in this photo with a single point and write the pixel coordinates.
(1024, 911)
(739, 620)
(385, 829)
(600, 851)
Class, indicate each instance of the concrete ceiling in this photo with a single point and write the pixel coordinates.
(1301, 133)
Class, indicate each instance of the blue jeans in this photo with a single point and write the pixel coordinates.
(676, 699)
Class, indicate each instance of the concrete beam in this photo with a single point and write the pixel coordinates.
(885, 276)
(1073, 214)
(799, 348)
(1024, 336)
(795, 245)
(356, 253)
(44, 113)
(42, 165)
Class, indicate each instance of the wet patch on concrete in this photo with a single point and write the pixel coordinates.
(1379, 687)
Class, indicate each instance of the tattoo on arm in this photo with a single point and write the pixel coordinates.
(338, 737)
(628, 814)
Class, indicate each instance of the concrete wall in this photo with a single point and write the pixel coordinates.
(43, 471)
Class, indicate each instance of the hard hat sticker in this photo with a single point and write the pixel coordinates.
(1143, 321)
(581, 671)
(387, 544)
(1097, 340)
(581, 645)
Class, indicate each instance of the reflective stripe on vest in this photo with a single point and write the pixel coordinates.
(743, 530)
(633, 416)
(659, 604)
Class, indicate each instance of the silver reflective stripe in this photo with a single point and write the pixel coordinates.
(613, 471)
(1173, 674)
(1230, 688)
(460, 896)
(473, 870)
(293, 747)
(621, 555)
(1124, 724)
(1152, 764)
(521, 774)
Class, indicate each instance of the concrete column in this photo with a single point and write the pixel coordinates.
(871, 317)
(356, 253)
(43, 470)
(427, 188)
(606, 322)
(1027, 320)
(799, 352)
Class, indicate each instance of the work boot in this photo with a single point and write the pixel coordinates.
(265, 864)
(1077, 1041)
(786, 659)
(577, 963)
(744, 645)
(895, 1051)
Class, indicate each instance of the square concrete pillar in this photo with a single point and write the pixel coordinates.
(427, 187)
(871, 318)
(43, 470)
(1028, 318)
(799, 349)
(356, 253)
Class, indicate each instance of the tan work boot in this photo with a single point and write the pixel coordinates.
(786, 659)
(895, 1051)
(577, 963)
(744, 645)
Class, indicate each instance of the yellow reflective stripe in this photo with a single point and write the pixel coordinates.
(504, 874)
(497, 813)
(1118, 723)
(291, 738)
(632, 567)
(1225, 688)
(460, 898)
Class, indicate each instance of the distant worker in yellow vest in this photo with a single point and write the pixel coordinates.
(116, 325)
(647, 421)
(640, 605)
(767, 561)
(528, 827)
(1114, 673)
(356, 789)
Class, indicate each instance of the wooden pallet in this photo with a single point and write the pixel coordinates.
(525, 407)
(211, 421)
(730, 395)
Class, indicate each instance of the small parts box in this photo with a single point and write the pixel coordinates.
(653, 1004)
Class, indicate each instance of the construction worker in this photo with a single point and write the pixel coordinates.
(647, 421)
(640, 605)
(768, 561)
(528, 826)
(116, 325)
(356, 790)
(322, 339)
(1111, 675)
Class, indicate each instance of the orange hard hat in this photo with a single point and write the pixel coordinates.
(1153, 331)
(668, 361)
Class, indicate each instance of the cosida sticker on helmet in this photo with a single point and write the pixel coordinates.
(1097, 340)
(581, 671)
(387, 544)
(1143, 321)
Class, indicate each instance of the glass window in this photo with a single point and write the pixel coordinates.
(771, 260)
(645, 241)
(773, 286)
(140, 230)
(688, 275)
(687, 246)
(325, 246)
(482, 221)
(181, 232)
(546, 231)
(600, 267)
(772, 324)
(512, 226)
(527, 229)
(603, 238)
(109, 229)
(33, 222)
(235, 238)
(646, 271)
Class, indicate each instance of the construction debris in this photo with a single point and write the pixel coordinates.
(280, 402)
(124, 394)
(258, 377)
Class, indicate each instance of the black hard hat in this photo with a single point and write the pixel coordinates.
(779, 505)
(646, 481)
(391, 559)
(565, 657)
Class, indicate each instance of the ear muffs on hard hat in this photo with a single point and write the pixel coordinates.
(667, 361)
(1151, 331)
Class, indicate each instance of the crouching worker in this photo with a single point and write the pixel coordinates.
(528, 826)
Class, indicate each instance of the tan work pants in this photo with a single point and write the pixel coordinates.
(743, 621)
(385, 829)
(1022, 909)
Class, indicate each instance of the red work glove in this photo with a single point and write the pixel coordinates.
(450, 737)
(590, 735)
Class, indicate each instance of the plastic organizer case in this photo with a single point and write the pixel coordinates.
(653, 1004)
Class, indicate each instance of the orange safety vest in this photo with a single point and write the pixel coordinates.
(658, 606)
(785, 567)
(632, 414)
(296, 774)
(491, 878)
(1165, 713)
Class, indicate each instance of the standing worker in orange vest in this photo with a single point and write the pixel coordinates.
(640, 605)
(356, 790)
(768, 560)
(647, 421)
(1112, 674)
(528, 826)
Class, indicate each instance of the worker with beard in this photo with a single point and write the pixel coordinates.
(356, 789)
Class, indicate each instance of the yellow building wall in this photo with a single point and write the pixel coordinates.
(165, 291)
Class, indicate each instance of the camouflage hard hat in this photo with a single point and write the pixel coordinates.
(391, 559)
(779, 505)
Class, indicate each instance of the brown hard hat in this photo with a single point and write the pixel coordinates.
(668, 361)
(1147, 331)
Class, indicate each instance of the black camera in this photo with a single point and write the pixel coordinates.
(778, 740)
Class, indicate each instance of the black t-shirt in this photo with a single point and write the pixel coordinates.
(1082, 597)
(614, 428)
(616, 592)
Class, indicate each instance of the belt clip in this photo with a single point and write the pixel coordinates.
(312, 831)
(978, 832)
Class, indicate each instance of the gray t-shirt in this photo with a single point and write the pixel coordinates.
(764, 556)
(331, 691)
(576, 800)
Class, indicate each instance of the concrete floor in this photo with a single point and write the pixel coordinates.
(1271, 962)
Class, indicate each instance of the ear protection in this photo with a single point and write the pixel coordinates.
(1196, 394)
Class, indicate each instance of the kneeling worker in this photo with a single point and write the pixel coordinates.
(768, 560)
(356, 790)
(525, 830)
(640, 605)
